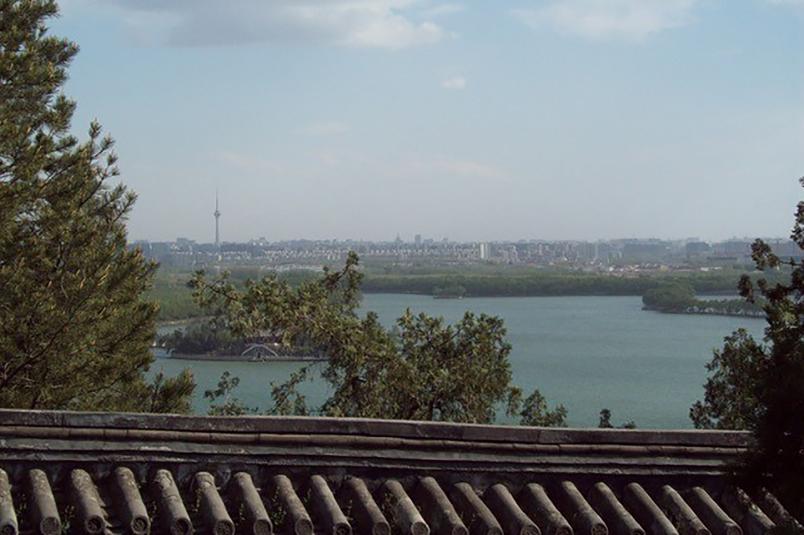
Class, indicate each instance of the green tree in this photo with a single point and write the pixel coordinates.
(167, 394)
(74, 329)
(730, 400)
(199, 338)
(759, 386)
(228, 405)
(424, 369)
(536, 412)
(605, 421)
(675, 297)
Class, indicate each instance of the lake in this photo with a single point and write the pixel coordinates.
(584, 352)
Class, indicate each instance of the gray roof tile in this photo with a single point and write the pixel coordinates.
(123, 473)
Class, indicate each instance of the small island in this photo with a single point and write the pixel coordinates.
(681, 299)
(203, 341)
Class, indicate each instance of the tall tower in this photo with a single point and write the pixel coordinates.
(217, 222)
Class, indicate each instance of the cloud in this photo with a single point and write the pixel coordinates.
(455, 83)
(468, 168)
(390, 24)
(787, 2)
(330, 128)
(331, 157)
(609, 19)
(442, 10)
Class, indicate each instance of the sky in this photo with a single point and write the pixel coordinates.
(472, 120)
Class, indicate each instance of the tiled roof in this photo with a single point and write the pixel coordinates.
(126, 473)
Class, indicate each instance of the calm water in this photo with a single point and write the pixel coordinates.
(585, 352)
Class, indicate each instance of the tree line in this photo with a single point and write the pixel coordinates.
(542, 284)
(176, 301)
(681, 298)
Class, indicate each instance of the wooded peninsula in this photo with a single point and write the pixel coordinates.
(176, 302)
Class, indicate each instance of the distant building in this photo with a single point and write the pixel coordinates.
(485, 252)
(738, 249)
(645, 251)
(786, 249)
(697, 249)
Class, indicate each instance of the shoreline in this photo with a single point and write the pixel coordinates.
(550, 295)
(751, 315)
(238, 358)
(180, 321)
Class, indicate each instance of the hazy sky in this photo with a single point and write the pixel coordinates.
(554, 119)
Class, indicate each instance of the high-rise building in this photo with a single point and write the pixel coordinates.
(217, 222)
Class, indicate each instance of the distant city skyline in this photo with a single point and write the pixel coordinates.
(572, 119)
(419, 237)
(426, 240)
(613, 257)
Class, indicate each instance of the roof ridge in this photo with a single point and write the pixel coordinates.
(320, 426)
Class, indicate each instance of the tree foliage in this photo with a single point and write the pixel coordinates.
(730, 397)
(168, 394)
(199, 338)
(228, 404)
(74, 329)
(680, 298)
(423, 369)
(537, 282)
(669, 297)
(536, 412)
(759, 386)
(605, 421)
(176, 301)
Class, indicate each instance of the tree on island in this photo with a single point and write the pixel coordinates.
(680, 298)
(676, 297)
(423, 369)
(759, 386)
(75, 329)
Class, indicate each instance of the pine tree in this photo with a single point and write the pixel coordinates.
(75, 329)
